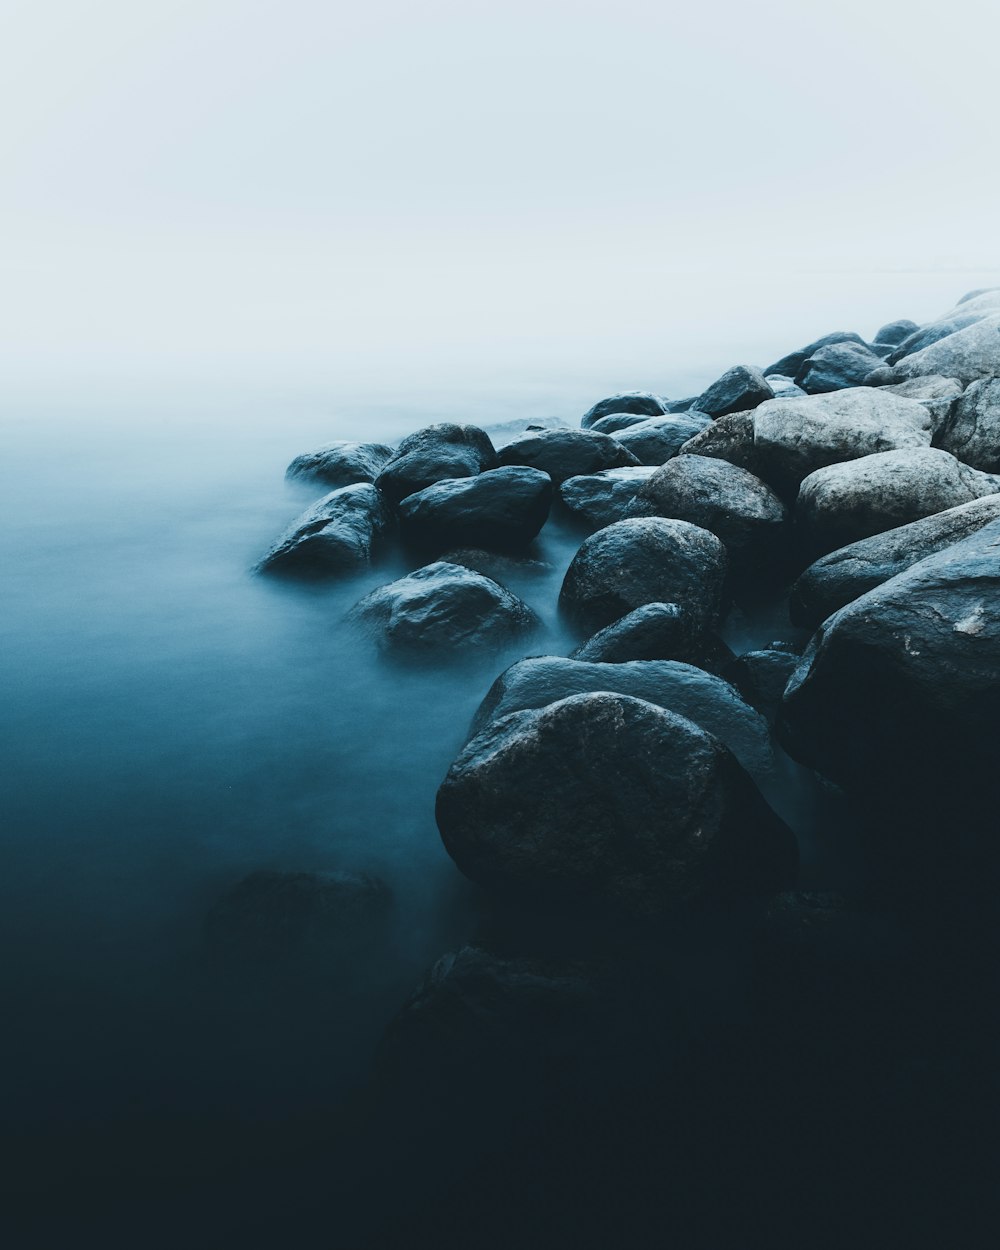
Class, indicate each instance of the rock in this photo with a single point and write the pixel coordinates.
(761, 676)
(342, 463)
(644, 560)
(656, 439)
(567, 453)
(339, 534)
(847, 502)
(701, 697)
(609, 802)
(642, 402)
(601, 498)
(656, 631)
(788, 366)
(974, 295)
(784, 388)
(971, 432)
(967, 355)
(270, 917)
(794, 437)
(499, 566)
(616, 421)
(900, 689)
(836, 367)
(986, 299)
(502, 432)
(730, 439)
(937, 395)
(501, 508)
(850, 572)
(718, 496)
(680, 405)
(432, 454)
(444, 608)
(895, 332)
(739, 389)
(934, 332)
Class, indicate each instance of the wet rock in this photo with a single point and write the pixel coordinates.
(645, 403)
(740, 388)
(971, 432)
(967, 355)
(701, 697)
(730, 439)
(493, 564)
(894, 333)
(794, 437)
(721, 497)
(432, 454)
(836, 367)
(602, 498)
(341, 463)
(681, 405)
(609, 801)
(761, 676)
(656, 439)
(616, 421)
(445, 609)
(656, 631)
(847, 502)
(784, 388)
(501, 508)
(339, 534)
(645, 560)
(850, 572)
(567, 453)
(788, 366)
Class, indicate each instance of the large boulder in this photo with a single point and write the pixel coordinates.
(601, 498)
(850, 572)
(643, 403)
(444, 608)
(794, 437)
(730, 438)
(432, 454)
(973, 297)
(645, 560)
(341, 463)
(846, 502)
(739, 389)
(967, 354)
(971, 430)
(836, 367)
(609, 802)
(682, 688)
(893, 333)
(616, 421)
(788, 366)
(501, 509)
(567, 453)
(937, 395)
(656, 631)
(934, 332)
(718, 496)
(658, 438)
(339, 534)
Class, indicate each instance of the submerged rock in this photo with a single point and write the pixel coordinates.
(501, 508)
(645, 560)
(645, 403)
(432, 454)
(342, 463)
(444, 608)
(656, 439)
(836, 367)
(339, 534)
(602, 498)
(609, 801)
(567, 453)
(738, 389)
(761, 676)
(971, 432)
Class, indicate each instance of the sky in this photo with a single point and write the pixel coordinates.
(255, 188)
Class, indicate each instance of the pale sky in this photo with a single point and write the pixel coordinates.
(272, 186)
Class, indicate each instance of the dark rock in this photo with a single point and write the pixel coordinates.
(616, 421)
(339, 534)
(971, 432)
(645, 560)
(501, 508)
(496, 565)
(688, 691)
(723, 498)
(656, 631)
(967, 355)
(847, 502)
(342, 463)
(656, 439)
(934, 332)
(444, 608)
(602, 498)
(681, 405)
(836, 367)
(850, 572)
(761, 676)
(643, 402)
(895, 332)
(739, 389)
(432, 454)
(610, 801)
(567, 453)
(784, 388)
(788, 366)
(270, 917)
(730, 439)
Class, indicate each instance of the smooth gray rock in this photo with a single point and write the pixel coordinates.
(937, 395)
(616, 421)
(339, 534)
(342, 463)
(609, 802)
(974, 295)
(850, 572)
(847, 502)
(645, 560)
(784, 388)
(788, 366)
(446, 609)
(967, 354)
(739, 389)
(836, 367)
(656, 631)
(602, 498)
(567, 453)
(432, 454)
(933, 332)
(972, 429)
(895, 332)
(656, 439)
(645, 403)
(500, 509)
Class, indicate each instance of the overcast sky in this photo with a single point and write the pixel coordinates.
(297, 184)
